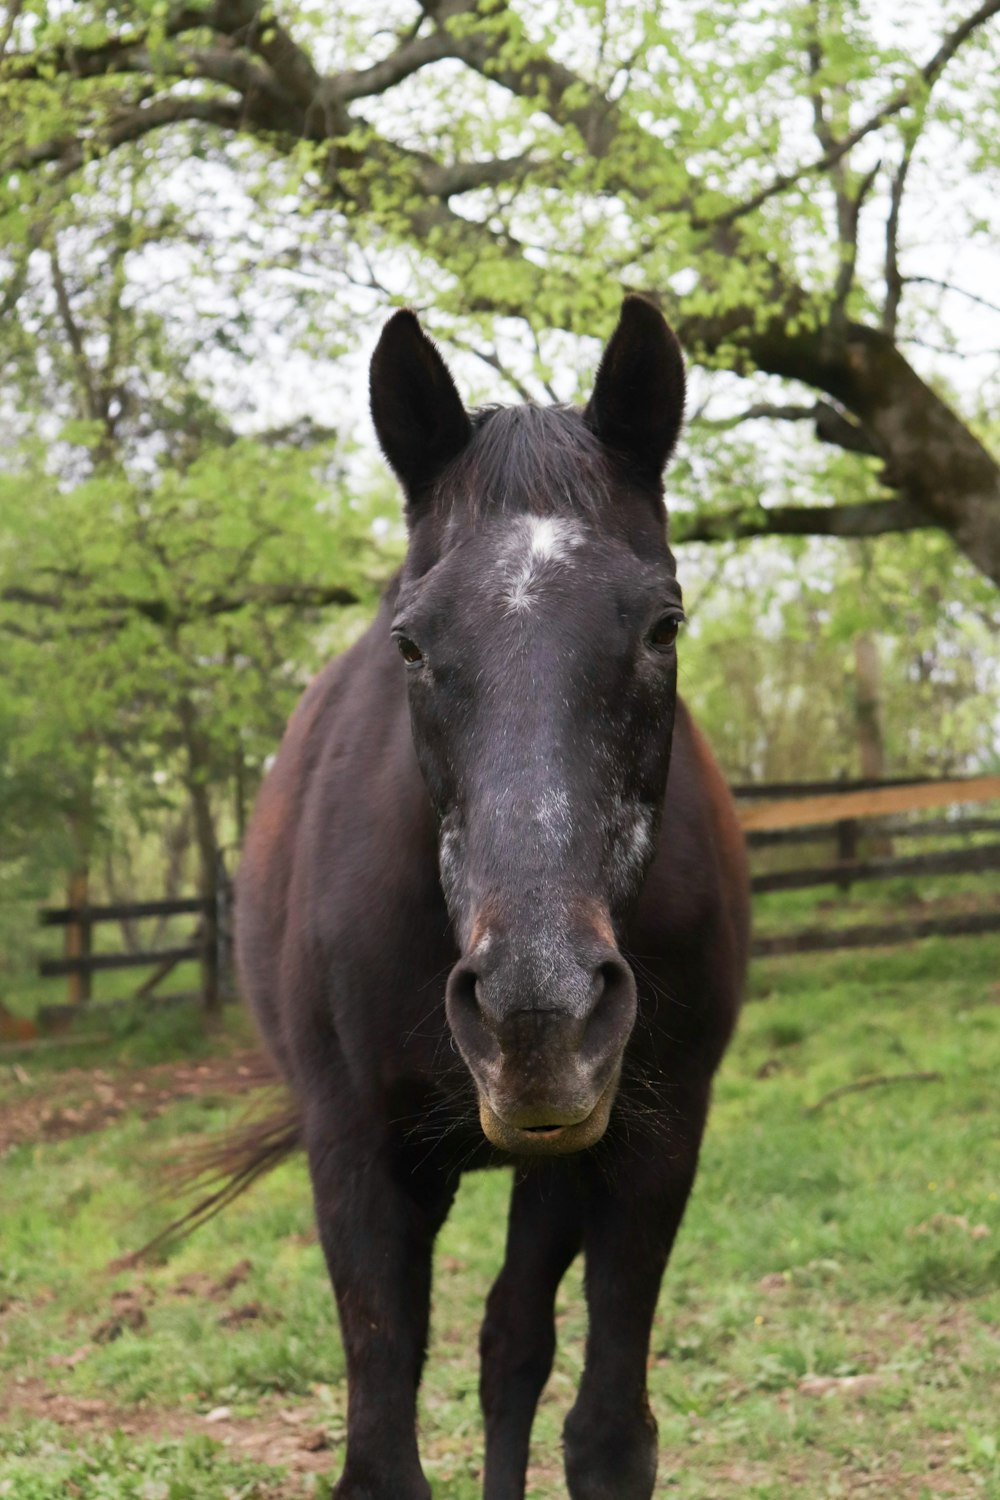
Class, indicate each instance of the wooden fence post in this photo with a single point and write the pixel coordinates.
(847, 849)
(78, 941)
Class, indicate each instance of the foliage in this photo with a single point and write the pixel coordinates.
(766, 174)
(163, 577)
(768, 661)
(147, 598)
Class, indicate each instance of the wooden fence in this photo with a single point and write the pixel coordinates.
(210, 944)
(774, 817)
(846, 813)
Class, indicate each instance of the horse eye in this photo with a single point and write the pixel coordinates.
(664, 633)
(409, 651)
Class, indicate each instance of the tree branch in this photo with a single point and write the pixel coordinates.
(848, 246)
(902, 98)
(293, 101)
(14, 8)
(893, 280)
(447, 181)
(823, 130)
(491, 358)
(409, 58)
(72, 153)
(949, 286)
(831, 425)
(867, 519)
(120, 607)
(90, 397)
(875, 1081)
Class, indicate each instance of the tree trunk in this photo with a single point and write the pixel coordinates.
(868, 719)
(196, 781)
(868, 707)
(176, 842)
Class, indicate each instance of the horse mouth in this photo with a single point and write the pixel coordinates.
(551, 1139)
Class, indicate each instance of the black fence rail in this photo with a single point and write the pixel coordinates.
(847, 872)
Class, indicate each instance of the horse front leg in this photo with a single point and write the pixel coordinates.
(610, 1434)
(377, 1232)
(518, 1337)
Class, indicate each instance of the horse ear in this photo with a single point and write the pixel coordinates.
(418, 414)
(638, 400)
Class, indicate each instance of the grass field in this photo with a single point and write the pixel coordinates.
(828, 1326)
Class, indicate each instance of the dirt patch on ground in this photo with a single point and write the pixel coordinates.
(303, 1438)
(78, 1100)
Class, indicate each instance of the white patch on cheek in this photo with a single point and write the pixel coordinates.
(641, 836)
(534, 544)
(448, 859)
(483, 946)
(631, 844)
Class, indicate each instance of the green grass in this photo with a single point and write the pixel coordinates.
(886, 901)
(862, 1239)
(39, 1464)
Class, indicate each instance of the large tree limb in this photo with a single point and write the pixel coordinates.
(118, 608)
(868, 519)
(408, 58)
(72, 153)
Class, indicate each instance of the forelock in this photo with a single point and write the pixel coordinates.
(542, 460)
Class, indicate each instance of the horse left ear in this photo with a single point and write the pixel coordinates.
(638, 400)
(418, 414)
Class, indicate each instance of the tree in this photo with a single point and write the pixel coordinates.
(753, 171)
(769, 660)
(165, 583)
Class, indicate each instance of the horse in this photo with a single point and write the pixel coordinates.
(493, 908)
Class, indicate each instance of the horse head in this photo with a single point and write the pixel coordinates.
(536, 618)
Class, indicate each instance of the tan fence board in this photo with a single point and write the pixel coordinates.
(799, 812)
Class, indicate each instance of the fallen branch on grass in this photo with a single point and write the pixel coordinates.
(877, 1080)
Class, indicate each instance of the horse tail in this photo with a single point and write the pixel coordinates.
(221, 1169)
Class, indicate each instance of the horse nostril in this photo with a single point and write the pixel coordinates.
(612, 1009)
(470, 1021)
(463, 993)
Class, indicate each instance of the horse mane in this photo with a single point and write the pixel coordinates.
(539, 460)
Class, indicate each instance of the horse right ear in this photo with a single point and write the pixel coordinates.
(419, 418)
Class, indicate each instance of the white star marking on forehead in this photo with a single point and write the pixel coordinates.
(533, 544)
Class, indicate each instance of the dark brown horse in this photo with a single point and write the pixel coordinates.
(493, 908)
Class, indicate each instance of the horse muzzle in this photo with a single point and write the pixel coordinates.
(557, 1136)
(544, 1045)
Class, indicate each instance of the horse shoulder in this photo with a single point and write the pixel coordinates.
(271, 847)
(699, 882)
